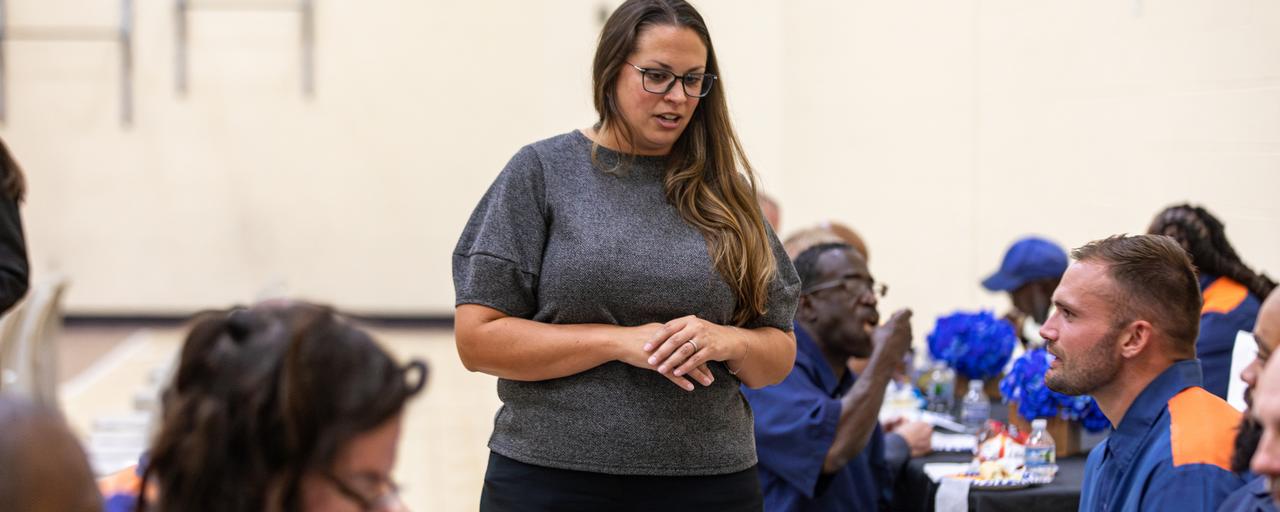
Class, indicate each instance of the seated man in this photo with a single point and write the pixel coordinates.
(1124, 331)
(1029, 272)
(819, 441)
(1255, 496)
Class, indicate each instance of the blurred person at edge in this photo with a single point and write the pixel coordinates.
(1255, 496)
(282, 407)
(14, 269)
(620, 282)
(1231, 290)
(824, 232)
(1123, 330)
(42, 466)
(820, 442)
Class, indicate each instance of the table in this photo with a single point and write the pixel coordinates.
(914, 490)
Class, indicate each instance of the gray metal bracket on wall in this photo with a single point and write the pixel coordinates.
(306, 14)
(121, 34)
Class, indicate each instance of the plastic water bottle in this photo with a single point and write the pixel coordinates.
(1041, 452)
(939, 389)
(976, 408)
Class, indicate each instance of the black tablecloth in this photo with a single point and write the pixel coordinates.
(914, 491)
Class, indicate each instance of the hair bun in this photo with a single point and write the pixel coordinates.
(239, 324)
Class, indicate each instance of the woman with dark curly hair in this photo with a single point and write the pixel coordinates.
(279, 407)
(1232, 291)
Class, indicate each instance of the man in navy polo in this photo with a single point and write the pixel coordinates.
(1124, 330)
(819, 441)
(1029, 272)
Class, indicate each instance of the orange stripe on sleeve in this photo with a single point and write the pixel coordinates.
(1202, 428)
(1223, 295)
(125, 481)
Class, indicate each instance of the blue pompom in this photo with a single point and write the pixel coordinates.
(975, 345)
(1025, 386)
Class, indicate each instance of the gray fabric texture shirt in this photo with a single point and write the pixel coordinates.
(557, 240)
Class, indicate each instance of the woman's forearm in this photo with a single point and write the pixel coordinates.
(767, 356)
(514, 348)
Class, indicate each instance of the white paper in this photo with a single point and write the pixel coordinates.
(1244, 352)
(952, 496)
(944, 442)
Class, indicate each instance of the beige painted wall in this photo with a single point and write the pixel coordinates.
(941, 130)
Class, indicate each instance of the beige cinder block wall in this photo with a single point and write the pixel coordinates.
(941, 130)
(954, 127)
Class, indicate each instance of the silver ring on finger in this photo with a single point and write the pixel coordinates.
(694, 343)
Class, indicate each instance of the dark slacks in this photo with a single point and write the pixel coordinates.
(513, 486)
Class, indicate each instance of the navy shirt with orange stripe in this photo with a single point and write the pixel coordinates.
(1172, 450)
(1228, 308)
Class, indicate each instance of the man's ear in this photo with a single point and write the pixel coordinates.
(804, 310)
(1135, 338)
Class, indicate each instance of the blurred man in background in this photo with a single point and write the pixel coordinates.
(1030, 271)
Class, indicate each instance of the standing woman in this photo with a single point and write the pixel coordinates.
(13, 247)
(621, 283)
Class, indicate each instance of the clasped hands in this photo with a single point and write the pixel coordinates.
(680, 349)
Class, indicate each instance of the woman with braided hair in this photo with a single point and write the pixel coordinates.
(1231, 290)
(284, 406)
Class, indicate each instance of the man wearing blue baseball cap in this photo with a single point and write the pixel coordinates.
(1030, 272)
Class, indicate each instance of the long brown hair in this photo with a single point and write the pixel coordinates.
(708, 178)
(12, 182)
(263, 396)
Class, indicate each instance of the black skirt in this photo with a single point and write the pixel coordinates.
(513, 486)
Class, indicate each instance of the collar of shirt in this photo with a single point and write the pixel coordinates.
(1258, 487)
(1147, 407)
(810, 359)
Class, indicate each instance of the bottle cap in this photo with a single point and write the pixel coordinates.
(1039, 423)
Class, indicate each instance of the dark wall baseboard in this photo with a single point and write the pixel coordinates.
(174, 320)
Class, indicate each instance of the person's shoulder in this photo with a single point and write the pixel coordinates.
(1202, 429)
(120, 489)
(572, 142)
(1223, 296)
(560, 152)
(1253, 496)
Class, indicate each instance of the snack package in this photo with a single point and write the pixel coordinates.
(1000, 453)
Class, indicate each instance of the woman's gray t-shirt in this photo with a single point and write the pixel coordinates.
(557, 240)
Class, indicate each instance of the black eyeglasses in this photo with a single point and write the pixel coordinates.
(853, 285)
(660, 81)
(387, 499)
